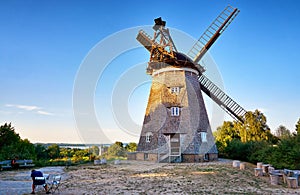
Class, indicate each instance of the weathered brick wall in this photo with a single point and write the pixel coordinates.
(131, 156)
(213, 156)
(152, 157)
(142, 155)
(139, 156)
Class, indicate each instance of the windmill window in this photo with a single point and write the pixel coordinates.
(175, 111)
(203, 137)
(175, 90)
(148, 137)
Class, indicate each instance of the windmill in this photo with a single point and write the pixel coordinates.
(176, 126)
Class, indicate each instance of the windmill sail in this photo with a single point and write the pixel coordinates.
(212, 33)
(145, 40)
(199, 49)
(223, 100)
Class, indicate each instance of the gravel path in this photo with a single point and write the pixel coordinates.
(18, 182)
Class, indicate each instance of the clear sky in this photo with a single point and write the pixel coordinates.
(43, 44)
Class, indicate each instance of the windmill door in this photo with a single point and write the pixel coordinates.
(175, 151)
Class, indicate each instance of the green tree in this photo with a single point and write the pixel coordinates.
(25, 150)
(94, 150)
(254, 127)
(119, 144)
(226, 133)
(116, 150)
(8, 135)
(65, 152)
(131, 147)
(79, 153)
(53, 151)
(298, 127)
(11, 145)
(282, 132)
(41, 151)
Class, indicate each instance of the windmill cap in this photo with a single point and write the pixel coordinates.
(158, 23)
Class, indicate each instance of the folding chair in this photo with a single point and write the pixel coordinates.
(53, 183)
(39, 181)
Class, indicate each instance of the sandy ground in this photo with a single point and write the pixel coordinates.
(132, 177)
(135, 177)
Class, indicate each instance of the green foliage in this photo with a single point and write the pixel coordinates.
(298, 127)
(11, 145)
(116, 150)
(131, 147)
(41, 152)
(254, 127)
(8, 135)
(253, 142)
(25, 150)
(94, 150)
(238, 150)
(282, 132)
(120, 144)
(53, 151)
(226, 133)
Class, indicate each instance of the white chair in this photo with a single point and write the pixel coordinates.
(54, 183)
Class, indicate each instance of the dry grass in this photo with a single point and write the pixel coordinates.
(136, 177)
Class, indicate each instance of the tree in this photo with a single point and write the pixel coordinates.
(25, 149)
(94, 150)
(41, 151)
(226, 133)
(11, 145)
(298, 127)
(8, 135)
(119, 144)
(116, 150)
(282, 132)
(131, 147)
(53, 151)
(254, 127)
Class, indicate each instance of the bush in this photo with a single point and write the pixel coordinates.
(286, 154)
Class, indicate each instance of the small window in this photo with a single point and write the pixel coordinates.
(175, 111)
(203, 137)
(148, 137)
(175, 90)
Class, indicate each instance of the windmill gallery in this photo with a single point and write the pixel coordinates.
(176, 126)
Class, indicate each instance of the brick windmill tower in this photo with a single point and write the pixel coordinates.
(176, 126)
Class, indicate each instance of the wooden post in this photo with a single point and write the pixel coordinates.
(96, 162)
(284, 178)
(242, 166)
(259, 165)
(292, 182)
(271, 169)
(236, 163)
(280, 178)
(258, 172)
(274, 179)
(265, 169)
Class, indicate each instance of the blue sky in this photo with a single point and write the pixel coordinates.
(43, 44)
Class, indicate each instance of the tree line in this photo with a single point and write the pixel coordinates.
(254, 142)
(12, 146)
